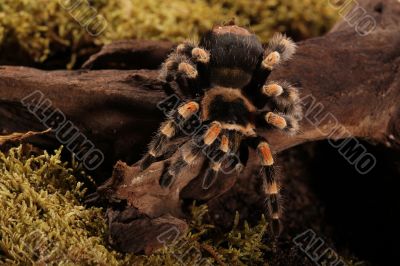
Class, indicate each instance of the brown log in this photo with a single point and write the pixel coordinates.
(353, 79)
(130, 54)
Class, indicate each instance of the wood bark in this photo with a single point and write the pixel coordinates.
(350, 83)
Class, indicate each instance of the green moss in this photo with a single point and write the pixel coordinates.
(43, 222)
(43, 28)
(42, 219)
(300, 19)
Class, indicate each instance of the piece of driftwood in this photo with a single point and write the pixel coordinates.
(130, 54)
(350, 85)
(16, 137)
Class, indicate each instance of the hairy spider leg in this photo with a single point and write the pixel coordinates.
(225, 153)
(191, 152)
(284, 100)
(185, 66)
(279, 49)
(270, 184)
(167, 131)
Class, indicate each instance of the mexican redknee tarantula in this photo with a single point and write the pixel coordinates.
(226, 98)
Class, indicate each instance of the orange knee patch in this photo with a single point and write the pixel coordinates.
(181, 47)
(188, 109)
(275, 120)
(265, 154)
(153, 153)
(275, 216)
(271, 60)
(188, 69)
(168, 129)
(201, 55)
(212, 133)
(169, 64)
(216, 167)
(188, 156)
(272, 90)
(272, 188)
(224, 144)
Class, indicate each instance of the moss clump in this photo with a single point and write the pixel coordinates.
(43, 222)
(300, 19)
(43, 28)
(206, 245)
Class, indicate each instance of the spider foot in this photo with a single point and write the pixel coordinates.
(280, 48)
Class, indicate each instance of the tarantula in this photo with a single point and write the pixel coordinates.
(223, 83)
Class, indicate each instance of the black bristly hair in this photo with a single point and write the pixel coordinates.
(235, 53)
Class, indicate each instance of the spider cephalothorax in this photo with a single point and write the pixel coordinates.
(223, 84)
